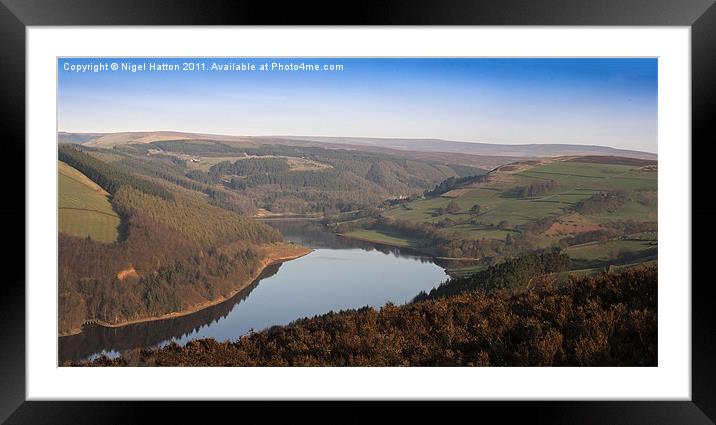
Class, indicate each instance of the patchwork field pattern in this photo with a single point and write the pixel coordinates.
(84, 208)
(501, 212)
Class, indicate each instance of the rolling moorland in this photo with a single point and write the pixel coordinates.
(486, 150)
(162, 224)
(162, 228)
(600, 210)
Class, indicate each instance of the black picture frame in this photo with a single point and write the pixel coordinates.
(16, 15)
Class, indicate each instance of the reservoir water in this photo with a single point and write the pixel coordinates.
(339, 274)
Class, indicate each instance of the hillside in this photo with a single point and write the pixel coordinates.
(604, 320)
(175, 252)
(280, 178)
(184, 238)
(602, 209)
(109, 140)
(84, 207)
(540, 150)
(78, 138)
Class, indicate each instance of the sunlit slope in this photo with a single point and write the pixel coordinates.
(84, 208)
(576, 181)
(599, 207)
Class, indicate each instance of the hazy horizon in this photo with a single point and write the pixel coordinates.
(307, 136)
(601, 102)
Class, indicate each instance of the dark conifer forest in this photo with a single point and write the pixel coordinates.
(175, 251)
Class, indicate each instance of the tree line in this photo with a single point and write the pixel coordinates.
(172, 273)
(196, 219)
(357, 179)
(245, 167)
(192, 147)
(437, 239)
(168, 169)
(534, 189)
(612, 201)
(455, 182)
(509, 274)
(108, 177)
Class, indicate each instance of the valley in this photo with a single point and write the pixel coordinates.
(169, 230)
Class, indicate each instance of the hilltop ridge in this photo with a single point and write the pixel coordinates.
(534, 150)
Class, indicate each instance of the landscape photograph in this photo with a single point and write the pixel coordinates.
(229, 212)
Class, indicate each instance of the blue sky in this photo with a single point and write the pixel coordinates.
(610, 102)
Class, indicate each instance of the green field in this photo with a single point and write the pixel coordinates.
(206, 162)
(503, 213)
(608, 250)
(563, 277)
(575, 182)
(383, 237)
(465, 270)
(84, 208)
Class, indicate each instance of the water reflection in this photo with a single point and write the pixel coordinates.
(341, 273)
(315, 235)
(96, 339)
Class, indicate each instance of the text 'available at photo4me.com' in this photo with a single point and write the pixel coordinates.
(199, 66)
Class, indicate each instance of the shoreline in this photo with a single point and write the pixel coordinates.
(265, 262)
(286, 218)
(410, 248)
(269, 216)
